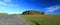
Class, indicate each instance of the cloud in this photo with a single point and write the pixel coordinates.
(6, 4)
(2, 3)
(53, 8)
(7, 0)
(8, 8)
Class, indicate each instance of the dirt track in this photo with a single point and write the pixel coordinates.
(12, 20)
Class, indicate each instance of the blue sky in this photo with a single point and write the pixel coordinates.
(18, 6)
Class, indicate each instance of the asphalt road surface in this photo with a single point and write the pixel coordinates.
(12, 20)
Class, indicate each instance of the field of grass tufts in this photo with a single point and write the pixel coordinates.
(42, 19)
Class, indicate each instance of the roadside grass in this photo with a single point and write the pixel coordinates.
(3, 14)
(42, 19)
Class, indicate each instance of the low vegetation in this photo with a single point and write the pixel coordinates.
(42, 19)
(3, 14)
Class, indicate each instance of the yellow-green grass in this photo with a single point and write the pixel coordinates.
(2, 14)
(43, 19)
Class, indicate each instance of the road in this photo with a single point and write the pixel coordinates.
(12, 20)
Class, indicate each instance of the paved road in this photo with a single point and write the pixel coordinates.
(12, 20)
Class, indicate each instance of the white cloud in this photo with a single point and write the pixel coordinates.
(8, 8)
(5, 4)
(2, 3)
(7, 0)
(52, 8)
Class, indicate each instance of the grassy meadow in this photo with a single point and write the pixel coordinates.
(42, 19)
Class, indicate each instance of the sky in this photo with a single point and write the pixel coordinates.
(19, 6)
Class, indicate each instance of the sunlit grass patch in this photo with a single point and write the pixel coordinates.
(43, 19)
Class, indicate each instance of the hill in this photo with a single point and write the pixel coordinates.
(32, 12)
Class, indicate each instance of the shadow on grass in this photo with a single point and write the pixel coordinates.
(35, 22)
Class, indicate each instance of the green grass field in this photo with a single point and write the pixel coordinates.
(42, 19)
